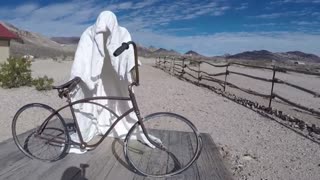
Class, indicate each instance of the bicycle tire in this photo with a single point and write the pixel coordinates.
(35, 145)
(176, 133)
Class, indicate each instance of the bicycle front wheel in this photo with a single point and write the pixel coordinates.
(175, 145)
(40, 133)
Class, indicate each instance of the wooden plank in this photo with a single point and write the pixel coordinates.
(182, 144)
(158, 163)
(34, 169)
(73, 166)
(11, 159)
(210, 162)
(10, 154)
(120, 169)
(101, 164)
(108, 162)
(148, 162)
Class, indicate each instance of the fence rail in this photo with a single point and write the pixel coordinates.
(179, 67)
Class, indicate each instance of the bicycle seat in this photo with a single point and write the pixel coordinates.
(70, 84)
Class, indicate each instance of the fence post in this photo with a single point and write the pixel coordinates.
(273, 80)
(182, 66)
(157, 59)
(171, 68)
(174, 62)
(170, 64)
(199, 72)
(225, 78)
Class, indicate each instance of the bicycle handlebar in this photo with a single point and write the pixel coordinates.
(120, 49)
(124, 47)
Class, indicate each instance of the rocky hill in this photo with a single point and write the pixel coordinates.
(152, 48)
(66, 40)
(264, 55)
(300, 56)
(142, 51)
(37, 45)
(165, 52)
(255, 55)
(192, 53)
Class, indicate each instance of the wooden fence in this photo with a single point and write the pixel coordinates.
(179, 67)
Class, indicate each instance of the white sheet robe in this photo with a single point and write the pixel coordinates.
(102, 74)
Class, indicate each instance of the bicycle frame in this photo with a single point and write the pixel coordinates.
(131, 98)
(70, 104)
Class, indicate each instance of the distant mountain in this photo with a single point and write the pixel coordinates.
(173, 52)
(192, 53)
(66, 40)
(152, 48)
(255, 55)
(161, 51)
(31, 43)
(300, 56)
(142, 51)
(264, 55)
(165, 52)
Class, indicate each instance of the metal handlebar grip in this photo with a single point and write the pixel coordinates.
(120, 49)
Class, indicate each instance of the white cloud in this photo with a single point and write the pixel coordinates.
(146, 22)
(271, 15)
(306, 23)
(274, 15)
(242, 6)
(262, 24)
(59, 19)
(25, 9)
(169, 12)
(63, 18)
(120, 6)
(144, 4)
(281, 2)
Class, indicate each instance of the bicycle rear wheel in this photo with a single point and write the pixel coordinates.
(39, 133)
(176, 145)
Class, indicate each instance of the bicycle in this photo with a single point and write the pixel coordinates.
(49, 137)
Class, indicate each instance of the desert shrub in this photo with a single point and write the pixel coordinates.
(15, 72)
(42, 83)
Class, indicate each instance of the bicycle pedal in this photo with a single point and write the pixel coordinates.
(71, 128)
(90, 148)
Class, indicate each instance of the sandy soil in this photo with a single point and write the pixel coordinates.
(254, 147)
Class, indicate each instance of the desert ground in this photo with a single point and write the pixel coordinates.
(310, 82)
(253, 147)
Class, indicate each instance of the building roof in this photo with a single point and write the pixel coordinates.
(6, 34)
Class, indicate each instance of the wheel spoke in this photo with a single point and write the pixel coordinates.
(171, 136)
(50, 143)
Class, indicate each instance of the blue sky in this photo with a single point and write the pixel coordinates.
(208, 27)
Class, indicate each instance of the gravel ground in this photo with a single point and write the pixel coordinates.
(253, 146)
(308, 81)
